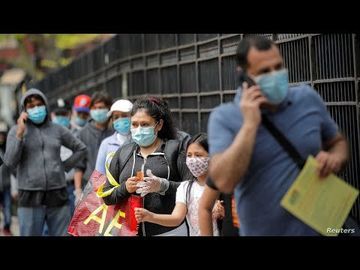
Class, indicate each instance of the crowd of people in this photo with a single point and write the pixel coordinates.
(228, 182)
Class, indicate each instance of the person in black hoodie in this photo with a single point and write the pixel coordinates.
(156, 152)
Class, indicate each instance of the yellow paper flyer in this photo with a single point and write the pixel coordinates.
(323, 204)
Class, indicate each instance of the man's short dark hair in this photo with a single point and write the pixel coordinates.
(35, 96)
(259, 42)
(101, 97)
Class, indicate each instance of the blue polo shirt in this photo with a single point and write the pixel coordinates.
(109, 145)
(303, 119)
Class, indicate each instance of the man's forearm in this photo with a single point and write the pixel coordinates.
(227, 168)
(206, 205)
(340, 148)
(205, 222)
(166, 220)
(78, 179)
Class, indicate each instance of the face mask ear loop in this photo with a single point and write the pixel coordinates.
(155, 127)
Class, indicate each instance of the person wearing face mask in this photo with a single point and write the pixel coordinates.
(120, 116)
(81, 113)
(33, 149)
(93, 133)
(61, 115)
(5, 184)
(155, 152)
(247, 159)
(188, 193)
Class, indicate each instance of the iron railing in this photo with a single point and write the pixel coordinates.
(196, 72)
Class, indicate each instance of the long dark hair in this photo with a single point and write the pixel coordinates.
(200, 139)
(158, 109)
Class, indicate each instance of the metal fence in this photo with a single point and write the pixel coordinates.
(196, 72)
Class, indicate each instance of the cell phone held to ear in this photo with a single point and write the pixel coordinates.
(245, 78)
(25, 120)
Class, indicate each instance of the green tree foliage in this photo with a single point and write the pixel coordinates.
(49, 50)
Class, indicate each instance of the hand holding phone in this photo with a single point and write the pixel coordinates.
(251, 100)
(21, 125)
(245, 78)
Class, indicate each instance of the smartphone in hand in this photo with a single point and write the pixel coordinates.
(245, 78)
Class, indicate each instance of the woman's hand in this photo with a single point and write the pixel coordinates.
(218, 210)
(141, 215)
(131, 184)
(151, 184)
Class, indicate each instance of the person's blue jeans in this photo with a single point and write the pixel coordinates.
(71, 202)
(70, 190)
(45, 230)
(7, 208)
(32, 220)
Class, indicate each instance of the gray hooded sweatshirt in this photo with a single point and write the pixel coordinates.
(92, 138)
(37, 156)
(4, 174)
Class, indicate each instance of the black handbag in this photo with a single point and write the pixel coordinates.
(350, 222)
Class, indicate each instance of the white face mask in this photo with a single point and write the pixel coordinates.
(198, 165)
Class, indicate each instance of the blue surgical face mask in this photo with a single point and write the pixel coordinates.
(274, 85)
(122, 125)
(99, 115)
(143, 136)
(37, 114)
(80, 122)
(62, 120)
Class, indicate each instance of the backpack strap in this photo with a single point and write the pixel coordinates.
(172, 151)
(121, 157)
(126, 153)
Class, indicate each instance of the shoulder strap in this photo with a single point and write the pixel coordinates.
(126, 152)
(350, 222)
(284, 142)
(172, 151)
(121, 157)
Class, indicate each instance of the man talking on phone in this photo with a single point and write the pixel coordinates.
(248, 159)
(33, 149)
